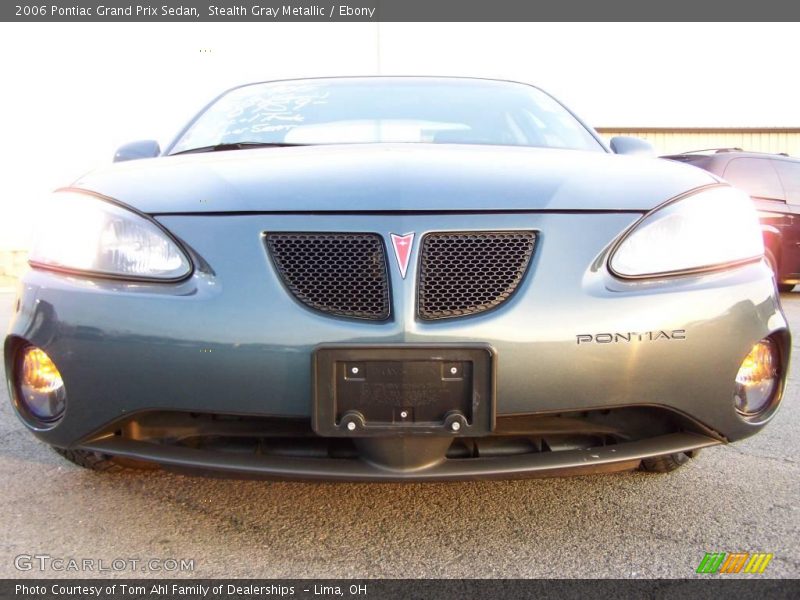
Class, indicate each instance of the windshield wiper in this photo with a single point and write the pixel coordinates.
(237, 146)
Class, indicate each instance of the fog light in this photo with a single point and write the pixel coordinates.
(41, 388)
(757, 380)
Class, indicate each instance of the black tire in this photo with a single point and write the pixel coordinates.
(94, 461)
(785, 287)
(668, 462)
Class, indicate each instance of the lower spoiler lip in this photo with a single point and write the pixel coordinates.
(617, 457)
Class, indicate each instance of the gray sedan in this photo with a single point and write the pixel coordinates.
(395, 279)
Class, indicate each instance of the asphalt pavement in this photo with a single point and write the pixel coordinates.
(742, 497)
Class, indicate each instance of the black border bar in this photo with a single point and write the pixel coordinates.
(706, 587)
(151, 11)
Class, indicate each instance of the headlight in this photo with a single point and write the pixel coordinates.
(79, 232)
(711, 228)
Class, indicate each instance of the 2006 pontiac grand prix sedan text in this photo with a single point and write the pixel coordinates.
(395, 279)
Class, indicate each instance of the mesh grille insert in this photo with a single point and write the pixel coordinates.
(465, 273)
(341, 274)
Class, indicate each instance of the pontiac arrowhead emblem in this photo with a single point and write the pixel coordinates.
(402, 250)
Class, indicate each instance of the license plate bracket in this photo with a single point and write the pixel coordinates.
(411, 389)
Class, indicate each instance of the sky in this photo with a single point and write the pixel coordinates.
(73, 92)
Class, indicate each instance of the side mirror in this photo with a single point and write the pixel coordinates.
(632, 145)
(136, 150)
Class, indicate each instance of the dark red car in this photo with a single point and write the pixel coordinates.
(773, 180)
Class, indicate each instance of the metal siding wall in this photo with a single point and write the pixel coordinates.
(669, 142)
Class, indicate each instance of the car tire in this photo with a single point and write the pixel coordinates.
(668, 462)
(94, 461)
(785, 287)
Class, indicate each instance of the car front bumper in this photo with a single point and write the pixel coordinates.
(591, 460)
(231, 341)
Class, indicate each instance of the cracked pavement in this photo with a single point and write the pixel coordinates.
(742, 497)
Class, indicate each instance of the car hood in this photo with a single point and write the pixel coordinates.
(393, 177)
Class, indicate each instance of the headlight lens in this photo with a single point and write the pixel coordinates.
(79, 232)
(713, 227)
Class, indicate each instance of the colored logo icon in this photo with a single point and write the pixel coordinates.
(734, 562)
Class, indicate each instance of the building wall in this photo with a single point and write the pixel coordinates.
(674, 141)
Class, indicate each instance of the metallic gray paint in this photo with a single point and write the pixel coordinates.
(234, 341)
(377, 177)
(230, 339)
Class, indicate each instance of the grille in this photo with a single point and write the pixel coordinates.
(341, 274)
(465, 273)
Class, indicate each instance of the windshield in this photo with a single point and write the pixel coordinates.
(343, 111)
